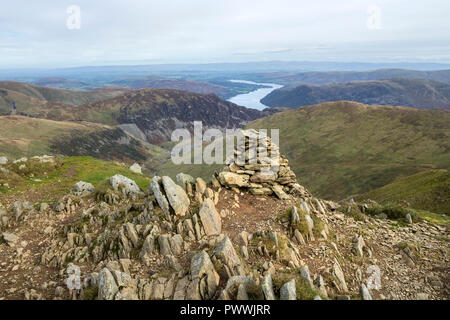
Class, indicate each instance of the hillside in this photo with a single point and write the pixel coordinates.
(23, 137)
(328, 77)
(402, 92)
(93, 230)
(343, 148)
(428, 190)
(174, 84)
(59, 95)
(157, 112)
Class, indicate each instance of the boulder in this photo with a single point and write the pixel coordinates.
(177, 197)
(185, 180)
(339, 275)
(267, 287)
(227, 254)
(10, 238)
(205, 279)
(210, 218)
(82, 188)
(160, 197)
(136, 168)
(127, 185)
(107, 286)
(232, 179)
(288, 291)
(365, 294)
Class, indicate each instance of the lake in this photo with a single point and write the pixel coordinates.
(253, 99)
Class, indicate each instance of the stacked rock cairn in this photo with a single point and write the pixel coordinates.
(256, 165)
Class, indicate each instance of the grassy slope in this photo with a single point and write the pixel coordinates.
(59, 95)
(22, 136)
(427, 190)
(344, 148)
(58, 181)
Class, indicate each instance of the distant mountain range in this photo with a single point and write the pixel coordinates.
(293, 79)
(419, 93)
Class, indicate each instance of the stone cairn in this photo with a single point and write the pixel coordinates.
(258, 167)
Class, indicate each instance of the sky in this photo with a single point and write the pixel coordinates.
(50, 33)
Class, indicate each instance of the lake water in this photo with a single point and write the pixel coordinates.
(253, 99)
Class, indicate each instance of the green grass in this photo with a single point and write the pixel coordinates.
(343, 148)
(59, 179)
(428, 190)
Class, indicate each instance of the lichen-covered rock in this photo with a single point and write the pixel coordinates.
(107, 286)
(125, 184)
(82, 188)
(204, 277)
(155, 189)
(177, 197)
(288, 291)
(212, 223)
(267, 287)
(227, 254)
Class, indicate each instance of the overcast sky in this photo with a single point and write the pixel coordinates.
(35, 33)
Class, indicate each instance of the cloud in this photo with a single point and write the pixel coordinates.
(177, 31)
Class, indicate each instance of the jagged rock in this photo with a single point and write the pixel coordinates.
(288, 291)
(3, 160)
(310, 223)
(185, 181)
(136, 168)
(304, 274)
(231, 179)
(10, 238)
(204, 277)
(127, 185)
(267, 287)
(242, 293)
(177, 197)
(155, 189)
(200, 185)
(320, 284)
(226, 253)
(279, 192)
(408, 218)
(107, 287)
(212, 223)
(82, 188)
(339, 275)
(358, 245)
(365, 294)
(304, 206)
